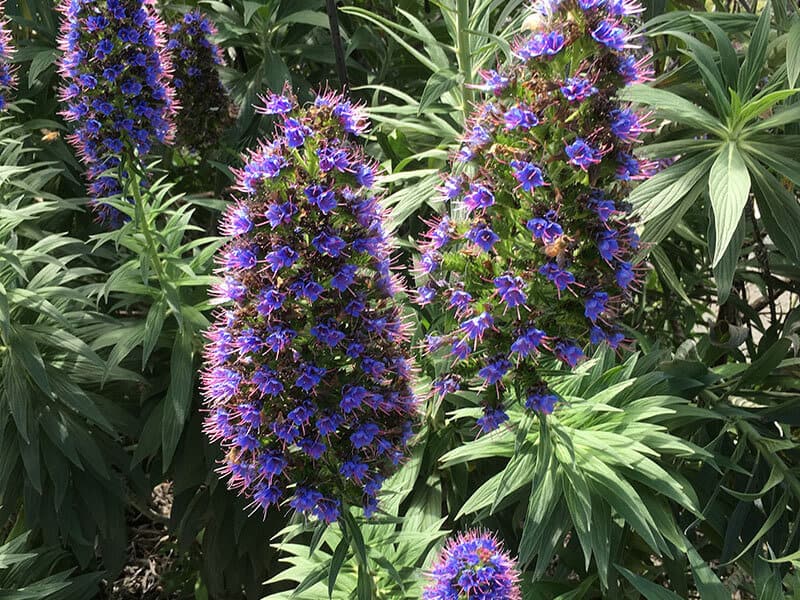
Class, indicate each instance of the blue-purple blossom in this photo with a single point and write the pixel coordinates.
(491, 419)
(626, 125)
(520, 117)
(581, 154)
(493, 82)
(595, 305)
(493, 372)
(510, 290)
(611, 35)
(527, 174)
(541, 44)
(482, 236)
(578, 89)
(478, 197)
(541, 400)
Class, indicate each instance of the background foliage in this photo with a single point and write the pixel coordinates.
(672, 471)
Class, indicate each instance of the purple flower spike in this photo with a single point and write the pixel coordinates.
(116, 86)
(534, 256)
(8, 78)
(308, 376)
(206, 108)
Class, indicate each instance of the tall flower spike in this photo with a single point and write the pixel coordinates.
(536, 258)
(206, 109)
(116, 87)
(8, 79)
(308, 375)
(473, 565)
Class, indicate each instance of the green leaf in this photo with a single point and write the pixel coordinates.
(756, 55)
(366, 585)
(661, 192)
(31, 458)
(793, 557)
(307, 17)
(648, 589)
(759, 105)
(41, 61)
(788, 115)
(793, 52)
(729, 64)
(673, 107)
(728, 186)
(152, 329)
(773, 154)
(336, 563)
(437, 85)
(179, 395)
(777, 512)
(545, 491)
(707, 582)
(250, 8)
(767, 581)
(666, 271)
(702, 56)
(780, 212)
(725, 269)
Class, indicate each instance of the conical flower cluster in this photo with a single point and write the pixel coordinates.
(536, 255)
(8, 80)
(473, 566)
(308, 379)
(116, 87)
(206, 110)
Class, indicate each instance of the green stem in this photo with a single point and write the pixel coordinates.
(133, 182)
(464, 53)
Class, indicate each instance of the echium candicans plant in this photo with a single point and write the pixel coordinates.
(536, 256)
(308, 376)
(116, 89)
(206, 109)
(8, 79)
(473, 565)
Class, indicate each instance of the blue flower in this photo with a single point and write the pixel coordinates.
(511, 290)
(482, 236)
(528, 175)
(324, 199)
(492, 419)
(610, 35)
(581, 154)
(528, 342)
(478, 197)
(100, 41)
(541, 44)
(577, 89)
(493, 372)
(520, 117)
(595, 305)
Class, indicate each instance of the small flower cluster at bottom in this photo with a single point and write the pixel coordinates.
(473, 566)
